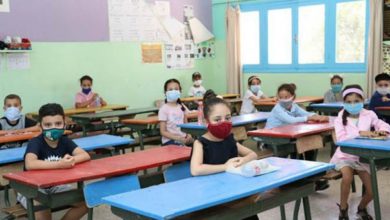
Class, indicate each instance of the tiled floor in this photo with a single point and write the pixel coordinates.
(323, 204)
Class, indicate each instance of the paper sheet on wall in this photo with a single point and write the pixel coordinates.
(18, 61)
(4, 6)
(179, 55)
(151, 53)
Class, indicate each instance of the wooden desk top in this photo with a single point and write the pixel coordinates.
(226, 96)
(102, 168)
(18, 137)
(153, 119)
(73, 111)
(298, 100)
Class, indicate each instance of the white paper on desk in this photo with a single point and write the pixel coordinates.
(18, 61)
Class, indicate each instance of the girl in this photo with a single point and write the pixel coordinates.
(197, 89)
(216, 150)
(354, 121)
(171, 114)
(287, 112)
(334, 94)
(86, 98)
(253, 94)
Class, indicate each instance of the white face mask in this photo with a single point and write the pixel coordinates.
(198, 82)
(12, 113)
(383, 90)
(286, 103)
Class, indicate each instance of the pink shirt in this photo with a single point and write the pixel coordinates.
(173, 116)
(81, 97)
(367, 119)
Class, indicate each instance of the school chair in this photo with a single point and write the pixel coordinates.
(177, 172)
(94, 192)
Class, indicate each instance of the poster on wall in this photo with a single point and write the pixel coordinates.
(4, 5)
(151, 53)
(179, 55)
(205, 50)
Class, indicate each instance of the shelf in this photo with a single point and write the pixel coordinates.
(15, 51)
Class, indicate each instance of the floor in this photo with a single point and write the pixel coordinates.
(323, 204)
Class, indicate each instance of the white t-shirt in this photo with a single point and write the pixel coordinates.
(247, 106)
(197, 91)
(173, 116)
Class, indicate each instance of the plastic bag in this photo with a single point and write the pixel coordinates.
(253, 168)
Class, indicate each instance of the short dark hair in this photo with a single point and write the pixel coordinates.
(210, 99)
(336, 77)
(382, 76)
(196, 74)
(289, 87)
(12, 96)
(86, 77)
(50, 109)
(250, 79)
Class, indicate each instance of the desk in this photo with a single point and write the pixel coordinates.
(197, 130)
(385, 111)
(195, 98)
(331, 108)
(267, 106)
(376, 152)
(28, 182)
(174, 199)
(112, 117)
(18, 137)
(280, 138)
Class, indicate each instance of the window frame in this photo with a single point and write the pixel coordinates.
(330, 65)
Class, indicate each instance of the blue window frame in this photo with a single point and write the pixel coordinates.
(330, 65)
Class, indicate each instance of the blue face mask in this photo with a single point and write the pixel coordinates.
(255, 88)
(86, 91)
(353, 109)
(172, 95)
(286, 103)
(12, 113)
(336, 88)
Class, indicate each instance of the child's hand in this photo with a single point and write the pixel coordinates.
(234, 162)
(67, 162)
(188, 139)
(381, 133)
(385, 99)
(368, 134)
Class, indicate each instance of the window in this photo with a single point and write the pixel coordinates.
(304, 36)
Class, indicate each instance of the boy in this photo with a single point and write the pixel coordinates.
(86, 98)
(382, 95)
(14, 121)
(52, 150)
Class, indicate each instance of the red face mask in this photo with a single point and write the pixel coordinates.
(220, 130)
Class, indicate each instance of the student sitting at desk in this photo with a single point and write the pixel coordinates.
(171, 114)
(86, 98)
(197, 89)
(253, 94)
(334, 94)
(381, 97)
(216, 150)
(14, 121)
(52, 150)
(354, 121)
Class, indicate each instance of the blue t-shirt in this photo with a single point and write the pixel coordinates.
(39, 147)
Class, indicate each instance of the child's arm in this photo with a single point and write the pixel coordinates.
(33, 163)
(197, 166)
(84, 104)
(246, 154)
(80, 155)
(164, 132)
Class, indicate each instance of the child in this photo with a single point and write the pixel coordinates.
(253, 94)
(382, 95)
(51, 150)
(216, 150)
(14, 121)
(197, 89)
(86, 98)
(354, 121)
(171, 114)
(334, 94)
(287, 112)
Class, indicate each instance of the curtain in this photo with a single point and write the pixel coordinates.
(375, 47)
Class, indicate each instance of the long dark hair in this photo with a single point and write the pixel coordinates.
(165, 90)
(346, 113)
(210, 99)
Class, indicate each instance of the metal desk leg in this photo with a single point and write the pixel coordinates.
(306, 208)
(374, 182)
(30, 209)
(6, 195)
(296, 209)
(282, 212)
(141, 139)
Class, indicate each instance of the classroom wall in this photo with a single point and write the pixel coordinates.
(60, 56)
(307, 83)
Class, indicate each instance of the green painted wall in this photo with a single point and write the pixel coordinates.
(119, 76)
(308, 84)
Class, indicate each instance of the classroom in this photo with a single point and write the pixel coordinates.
(195, 109)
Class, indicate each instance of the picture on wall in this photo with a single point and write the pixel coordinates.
(4, 5)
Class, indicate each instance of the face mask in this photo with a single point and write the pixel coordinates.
(53, 134)
(336, 88)
(86, 91)
(198, 82)
(353, 109)
(255, 88)
(286, 103)
(383, 90)
(220, 130)
(172, 95)
(12, 113)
